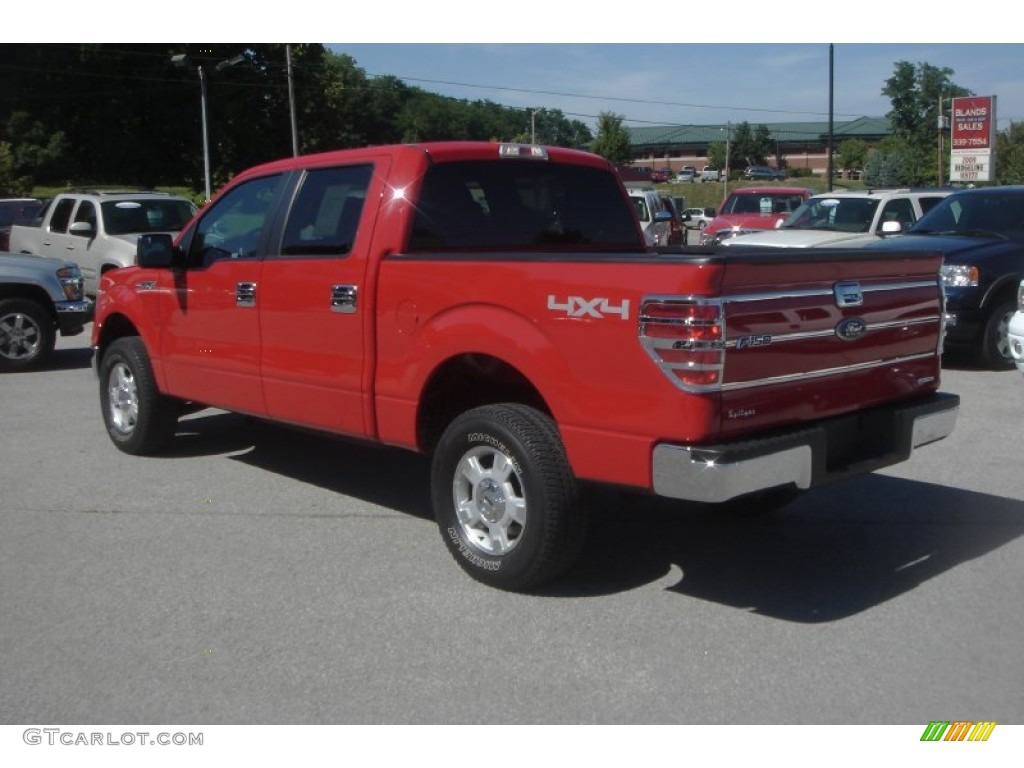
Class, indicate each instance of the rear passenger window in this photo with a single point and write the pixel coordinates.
(324, 220)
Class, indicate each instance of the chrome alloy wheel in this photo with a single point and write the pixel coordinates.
(123, 399)
(20, 336)
(1003, 335)
(490, 500)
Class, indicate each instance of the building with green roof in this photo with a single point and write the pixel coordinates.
(798, 145)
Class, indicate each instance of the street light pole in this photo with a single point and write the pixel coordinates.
(206, 133)
(182, 60)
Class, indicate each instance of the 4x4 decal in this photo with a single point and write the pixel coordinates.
(577, 306)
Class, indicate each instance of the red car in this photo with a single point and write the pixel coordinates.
(750, 209)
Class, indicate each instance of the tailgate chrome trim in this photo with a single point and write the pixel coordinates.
(824, 372)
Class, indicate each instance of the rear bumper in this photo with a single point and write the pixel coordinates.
(830, 450)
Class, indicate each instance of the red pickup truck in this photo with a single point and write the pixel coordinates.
(495, 306)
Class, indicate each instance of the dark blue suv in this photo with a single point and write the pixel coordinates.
(980, 233)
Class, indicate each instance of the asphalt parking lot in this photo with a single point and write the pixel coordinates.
(254, 575)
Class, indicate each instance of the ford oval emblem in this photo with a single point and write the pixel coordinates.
(851, 328)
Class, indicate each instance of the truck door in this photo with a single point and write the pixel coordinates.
(211, 347)
(316, 303)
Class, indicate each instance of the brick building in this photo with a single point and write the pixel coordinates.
(800, 145)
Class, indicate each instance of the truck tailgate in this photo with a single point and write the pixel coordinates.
(844, 330)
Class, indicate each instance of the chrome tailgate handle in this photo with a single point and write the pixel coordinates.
(343, 298)
(245, 294)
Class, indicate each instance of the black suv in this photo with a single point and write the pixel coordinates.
(980, 233)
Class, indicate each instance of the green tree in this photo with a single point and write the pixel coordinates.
(717, 154)
(613, 140)
(750, 146)
(915, 93)
(1010, 155)
(852, 154)
(11, 185)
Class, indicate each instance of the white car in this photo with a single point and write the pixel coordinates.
(848, 218)
(1016, 331)
(697, 218)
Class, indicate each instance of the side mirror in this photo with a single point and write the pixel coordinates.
(82, 229)
(891, 228)
(155, 250)
(663, 216)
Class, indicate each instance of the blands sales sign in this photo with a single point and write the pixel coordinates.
(972, 149)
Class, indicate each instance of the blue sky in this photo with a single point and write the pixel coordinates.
(685, 83)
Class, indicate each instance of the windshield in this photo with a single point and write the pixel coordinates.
(834, 214)
(763, 202)
(991, 213)
(129, 217)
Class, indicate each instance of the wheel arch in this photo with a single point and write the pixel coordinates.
(30, 293)
(466, 381)
(114, 326)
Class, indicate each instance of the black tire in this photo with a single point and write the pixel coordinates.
(518, 523)
(138, 418)
(994, 345)
(27, 334)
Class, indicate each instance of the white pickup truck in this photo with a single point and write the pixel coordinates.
(99, 230)
(710, 174)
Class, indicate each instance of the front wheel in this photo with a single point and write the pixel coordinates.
(505, 498)
(27, 335)
(994, 348)
(139, 420)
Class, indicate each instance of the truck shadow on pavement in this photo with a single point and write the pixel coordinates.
(834, 552)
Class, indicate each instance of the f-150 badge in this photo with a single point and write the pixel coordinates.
(577, 306)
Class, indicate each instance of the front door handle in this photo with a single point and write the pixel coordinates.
(343, 298)
(245, 294)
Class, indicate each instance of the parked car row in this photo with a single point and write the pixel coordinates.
(979, 232)
(846, 219)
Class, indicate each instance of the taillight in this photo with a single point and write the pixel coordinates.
(686, 338)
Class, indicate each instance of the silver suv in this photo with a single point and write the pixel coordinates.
(39, 297)
(848, 218)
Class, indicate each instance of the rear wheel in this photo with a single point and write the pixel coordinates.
(138, 418)
(505, 498)
(994, 349)
(27, 334)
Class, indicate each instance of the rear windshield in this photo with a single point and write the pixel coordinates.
(128, 217)
(522, 205)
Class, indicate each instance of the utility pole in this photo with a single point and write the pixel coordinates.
(291, 101)
(831, 78)
(728, 141)
(941, 124)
